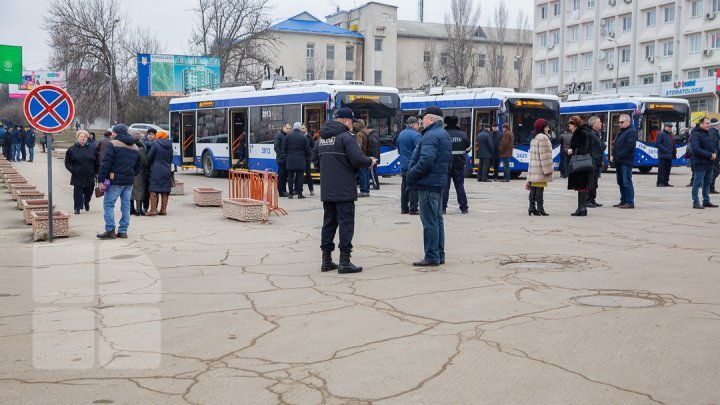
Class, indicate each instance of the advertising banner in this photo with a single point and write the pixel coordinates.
(10, 64)
(35, 78)
(175, 75)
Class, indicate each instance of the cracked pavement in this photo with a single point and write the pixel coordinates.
(622, 306)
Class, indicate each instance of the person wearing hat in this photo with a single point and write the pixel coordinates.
(580, 181)
(485, 149)
(338, 156)
(159, 159)
(704, 155)
(406, 142)
(665, 146)
(540, 167)
(456, 174)
(715, 136)
(427, 171)
(120, 164)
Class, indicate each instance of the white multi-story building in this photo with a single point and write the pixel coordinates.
(658, 47)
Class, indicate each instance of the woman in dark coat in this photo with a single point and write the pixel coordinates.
(160, 158)
(140, 183)
(81, 161)
(580, 144)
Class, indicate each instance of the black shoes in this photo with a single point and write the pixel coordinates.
(425, 263)
(108, 235)
(300, 196)
(404, 212)
(709, 205)
(327, 263)
(290, 196)
(698, 207)
(87, 206)
(414, 212)
(627, 206)
(122, 235)
(77, 212)
(346, 266)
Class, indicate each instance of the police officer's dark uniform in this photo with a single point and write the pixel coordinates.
(460, 146)
(339, 157)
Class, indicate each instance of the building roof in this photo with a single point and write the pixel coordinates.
(358, 8)
(439, 31)
(308, 24)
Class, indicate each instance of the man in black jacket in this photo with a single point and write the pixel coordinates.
(460, 147)
(297, 157)
(597, 150)
(496, 137)
(339, 156)
(665, 146)
(280, 158)
(374, 149)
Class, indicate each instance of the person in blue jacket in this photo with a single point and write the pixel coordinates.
(665, 146)
(29, 142)
(704, 155)
(16, 143)
(406, 142)
(623, 155)
(427, 172)
(484, 154)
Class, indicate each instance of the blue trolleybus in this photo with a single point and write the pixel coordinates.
(648, 114)
(492, 106)
(234, 127)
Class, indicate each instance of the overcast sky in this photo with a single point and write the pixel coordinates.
(171, 20)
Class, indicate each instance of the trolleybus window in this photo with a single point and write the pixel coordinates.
(379, 111)
(175, 127)
(522, 114)
(265, 122)
(212, 126)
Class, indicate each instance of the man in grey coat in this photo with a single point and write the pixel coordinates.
(485, 149)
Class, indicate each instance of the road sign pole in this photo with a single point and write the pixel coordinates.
(49, 141)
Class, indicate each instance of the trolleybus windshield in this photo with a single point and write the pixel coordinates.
(522, 114)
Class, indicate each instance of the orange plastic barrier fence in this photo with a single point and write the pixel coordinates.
(257, 185)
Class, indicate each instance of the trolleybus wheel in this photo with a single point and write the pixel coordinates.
(645, 169)
(208, 166)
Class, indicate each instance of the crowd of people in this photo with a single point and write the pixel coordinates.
(18, 142)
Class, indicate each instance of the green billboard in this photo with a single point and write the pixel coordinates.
(10, 64)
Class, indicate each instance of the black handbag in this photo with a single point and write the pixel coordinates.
(580, 163)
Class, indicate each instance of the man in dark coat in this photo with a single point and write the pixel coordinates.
(564, 158)
(338, 156)
(120, 165)
(161, 177)
(624, 158)
(485, 149)
(308, 172)
(278, 142)
(665, 146)
(704, 155)
(16, 143)
(715, 136)
(29, 136)
(597, 150)
(81, 162)
(497, 138)
(374, 149)
(456, 174)
(406, 142)
(427, 172)
(297, 156)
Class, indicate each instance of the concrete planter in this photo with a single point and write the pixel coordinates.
(207, 197)
(9, 172)
(178, 189)
(29, 206)
(59, 153)
(61, 224)
(15, 188)
(30, 195)
(9, 176)
(19, 180)
(245, 209)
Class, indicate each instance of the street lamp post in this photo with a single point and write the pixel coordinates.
(617, 64)
(112, 69)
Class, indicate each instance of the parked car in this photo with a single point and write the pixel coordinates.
(142, 128)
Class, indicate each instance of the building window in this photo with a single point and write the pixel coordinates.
(330, 52)
(665, 77)
(516, 63)
(627, 23)
(329, 75)
(499, 62)
(650, 18)
(625, 55)
(589, 31)
(693, 74)
(649, 79)
(310, 52)
(349, 52)
(668, 48)
(541, 69)
(714, 40)
(378, 77)
(481, 60)
(554, 67)
(588, 58)
(427, 59)
(591, 4)
(624, 82)
(576, 5)
(650, 51)
(694, 41)
(610, 25)
(543, 40)
(574, 34)
(696, 8)
(669, 14)
(543, 13)
(348, 75)
(715, 6)
(443, 59)
(573, 63)
(702, 105)
(556, 37)
(310, 75)
(556, 9)
(378, 44)
(552, 90)
(712, 72)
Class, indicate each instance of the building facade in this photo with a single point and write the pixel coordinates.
(650, 47)
(368, 43)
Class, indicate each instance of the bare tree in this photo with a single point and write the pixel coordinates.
(496, 46)
(522, 46)
(237, 31)
(81, 39)
(462, 25)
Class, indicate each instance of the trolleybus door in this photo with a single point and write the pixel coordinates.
(238, 139)
(313, 117)
(187, 139)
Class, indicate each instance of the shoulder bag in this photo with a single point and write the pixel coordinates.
(580, 163)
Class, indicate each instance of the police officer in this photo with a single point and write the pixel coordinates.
(339, 156)
(460, 147)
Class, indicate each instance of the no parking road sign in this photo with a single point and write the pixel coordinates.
(49, 108)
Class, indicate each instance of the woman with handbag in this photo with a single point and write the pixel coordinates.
(540, 168)
(581, 177)
(81, 162)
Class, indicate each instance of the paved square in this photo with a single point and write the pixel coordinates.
(621, 307)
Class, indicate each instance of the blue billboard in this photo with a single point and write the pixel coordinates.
(175, 75)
